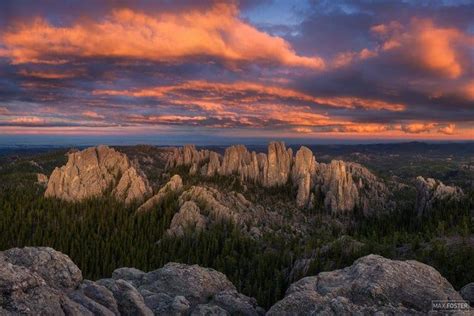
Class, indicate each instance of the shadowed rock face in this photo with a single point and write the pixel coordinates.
(467, 293)
(344, 185)
(42, 281)
(95, 170)
(372, 284)
(430, 190)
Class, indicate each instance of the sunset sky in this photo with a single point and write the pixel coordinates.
(244, 69)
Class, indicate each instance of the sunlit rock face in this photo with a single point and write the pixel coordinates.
(42, 179)
(302, 175)
(344, 186)
(95, 170)
(277, 169)
(429, 191)
(174, 185)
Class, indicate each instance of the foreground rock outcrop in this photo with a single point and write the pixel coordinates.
(95, 170)
(467, 293)
(343, 186)
(42, 281)
(430, 190)
(373, 284)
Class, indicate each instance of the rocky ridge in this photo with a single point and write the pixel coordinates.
(430, 190)
(43, 281)
(201, 206)
(175, 184)
(95, 170)
(344, 185)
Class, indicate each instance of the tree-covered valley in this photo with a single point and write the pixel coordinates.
(101, 234)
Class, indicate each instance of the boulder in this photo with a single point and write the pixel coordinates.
(99, 294)
(131, 275)
(55, 268)
(467, 293)
(429, 191)
(193, 289)
(42, 281)
(35, 281)
(373, 284)
(92, 172)
(129, 300)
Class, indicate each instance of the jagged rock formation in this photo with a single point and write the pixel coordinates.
(188, 217)
(217, 206)
(42, 281)
(42, 179)
(302, 175)
(430, 190)
(277, 170)
(372, 285)
(202, 206)
(344, 186)
(188, 155)
(175, 184)
(467, 293)
(93, 171)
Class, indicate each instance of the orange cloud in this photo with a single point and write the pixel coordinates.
(47, 75)
(346, 58)
(217, 32)
(303, 130)
(364, 128)
(92, 114)
(418, 127)
(240, 89)
(164, 118)
(448, 130)
(424, 44)
(468, 90)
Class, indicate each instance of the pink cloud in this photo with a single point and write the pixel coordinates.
(425, 45)
(249, 92)
(92, 114)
